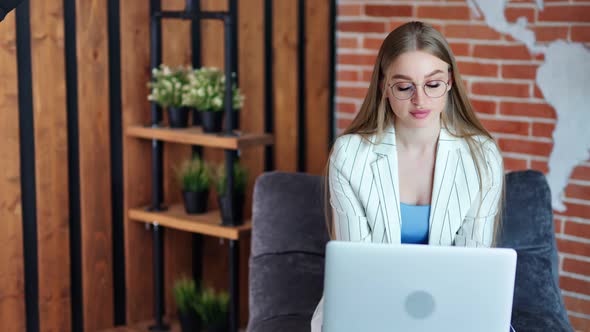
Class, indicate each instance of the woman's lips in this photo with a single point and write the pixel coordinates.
(421, 114)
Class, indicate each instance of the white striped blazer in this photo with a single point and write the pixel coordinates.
(364, 193)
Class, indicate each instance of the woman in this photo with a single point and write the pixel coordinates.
(415, 165)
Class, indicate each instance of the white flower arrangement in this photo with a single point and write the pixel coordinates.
(167, 85)
(206, 88)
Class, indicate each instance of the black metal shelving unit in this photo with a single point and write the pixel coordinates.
(192, 13)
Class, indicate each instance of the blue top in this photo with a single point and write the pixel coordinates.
(415, 223)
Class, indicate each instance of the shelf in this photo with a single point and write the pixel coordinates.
(195, 136)
(143, 327)
(207, 224)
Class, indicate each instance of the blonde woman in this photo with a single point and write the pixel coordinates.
(415, 165)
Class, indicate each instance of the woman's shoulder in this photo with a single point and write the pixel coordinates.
(348, 143)
(492, 161)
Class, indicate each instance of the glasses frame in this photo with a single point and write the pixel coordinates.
(391, 86)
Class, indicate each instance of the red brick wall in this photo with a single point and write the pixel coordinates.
(500, 76)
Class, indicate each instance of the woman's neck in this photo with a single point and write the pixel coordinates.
(416, 139)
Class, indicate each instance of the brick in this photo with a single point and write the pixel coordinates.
(506, 52)
(347, 42)
(388, 10)
(574, 248)
(514, 164)
(352, 92)
(575, 228)
(537, 92)
(506, 127)
(549, 34)
(577, 305)
(372, 43)
(343, 123)
(519, 71)
(346, 107)
(540, 166)
(579, 192)
(513, 13)
(527, 109)
(576, 210)
(581, 173)
(580, 34)
(349, 10)
(576, 266)
(574, 285)
(366, 76)
(579, 323)
(361, 26)
(527, 147)
(566, 13)
(356, 59)
(470, 31)
(543, 130)
(445, 13)
(478, 69)
(557, 224)
(347, 75)
(501, 89)
(460, 49)
(484, 106)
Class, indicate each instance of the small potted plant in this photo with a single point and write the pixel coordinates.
(205, 94)
(213, 309)
(186, 295)
(167, 86)
(195, 177)
(231, 215)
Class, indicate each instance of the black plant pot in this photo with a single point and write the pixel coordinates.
(212, 121)
(232, 215)
(189, 321)
(218, 328)
(178, 117)
(195, 202)
(196, 117)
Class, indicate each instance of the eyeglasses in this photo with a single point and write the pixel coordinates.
(406, 90)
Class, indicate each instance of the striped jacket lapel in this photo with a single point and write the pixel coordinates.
(386, 177)
(385, 174)
(441, 231)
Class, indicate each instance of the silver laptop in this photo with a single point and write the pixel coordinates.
(415, 288)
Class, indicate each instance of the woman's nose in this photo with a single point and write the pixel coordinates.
(418, 97)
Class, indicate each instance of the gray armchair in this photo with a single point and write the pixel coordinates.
(289, 237)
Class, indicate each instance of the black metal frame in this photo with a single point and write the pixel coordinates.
(193, 13)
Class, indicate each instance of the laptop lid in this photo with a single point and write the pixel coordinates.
(383, 287)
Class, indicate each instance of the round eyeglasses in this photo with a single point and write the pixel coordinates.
(406, 90)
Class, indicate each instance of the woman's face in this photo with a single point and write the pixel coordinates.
(417, 86)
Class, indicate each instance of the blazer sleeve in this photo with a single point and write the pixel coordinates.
(477, 229)
(350, 222)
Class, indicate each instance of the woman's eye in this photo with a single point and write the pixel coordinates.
(403, 87)
(434, 84)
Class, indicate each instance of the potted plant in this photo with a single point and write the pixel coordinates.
(167, 87)
(186, 295)
(213, 309)
(231, 215)
(195, 177)
(205, 94)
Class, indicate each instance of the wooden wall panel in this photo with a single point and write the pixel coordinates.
(252, 84)
(12, 297)
(95, 164)
(317, 84)
(176, 51)
(49, 104)
(285, 82)
(135, 73)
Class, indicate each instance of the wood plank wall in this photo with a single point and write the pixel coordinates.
(12, 287)
(89, 89)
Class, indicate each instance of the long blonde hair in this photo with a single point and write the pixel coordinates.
(375, 113)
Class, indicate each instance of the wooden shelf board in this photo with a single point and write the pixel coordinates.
(196, 136)
(207, 224)
(144, 327)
